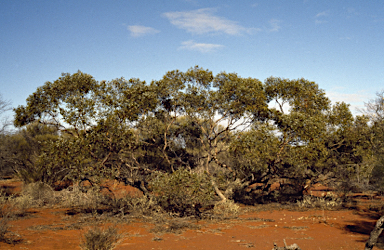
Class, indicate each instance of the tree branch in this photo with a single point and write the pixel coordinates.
(375, 234)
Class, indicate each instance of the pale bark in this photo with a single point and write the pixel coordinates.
(217, 190)
(375, 234)
(291, 247)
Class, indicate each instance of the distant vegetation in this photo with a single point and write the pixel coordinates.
(192, 141)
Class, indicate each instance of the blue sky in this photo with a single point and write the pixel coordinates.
(337, 44)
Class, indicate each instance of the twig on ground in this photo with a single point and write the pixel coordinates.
(291, 247)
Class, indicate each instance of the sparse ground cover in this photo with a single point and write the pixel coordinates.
(258, 227)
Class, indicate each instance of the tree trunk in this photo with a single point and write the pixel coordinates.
(217, 190)
(375, 234)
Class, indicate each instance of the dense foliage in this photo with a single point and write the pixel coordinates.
(222, 134)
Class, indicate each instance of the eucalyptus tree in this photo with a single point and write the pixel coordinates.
(127, 129)
(95, 121)
(222, 125)
(214, 107)
(289, 146)
(375, 113)
(21, 150)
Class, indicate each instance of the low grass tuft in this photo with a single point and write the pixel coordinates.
(134, 206)
(226, 210)
(329, 202)
(174, 225)
(101, 239)
(35, 195)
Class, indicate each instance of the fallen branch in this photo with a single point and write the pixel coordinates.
(375, 234)
(291, 247)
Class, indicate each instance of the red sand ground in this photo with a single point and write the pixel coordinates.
(311, 230)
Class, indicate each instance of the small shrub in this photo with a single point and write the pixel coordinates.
(93, 200)
(182, 192)
(101, 239)
(4, 229)
(35, 195)
(137, 206)
(4, 203)
(7, 236)
(6, 212)
(329, 201)
(3, 197)
(175, 225)
(143, 205)
(227, 209)
(75, 197)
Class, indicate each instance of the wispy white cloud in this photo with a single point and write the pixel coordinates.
(320, 17)
(138, 30)
(324, 13)
(201, 47)
(352, 11)
(356, 100)
(348, 98)
(274, 25)
(320, 21)
(203, 21)
(254, 5)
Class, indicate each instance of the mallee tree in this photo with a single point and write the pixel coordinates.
(236, 131)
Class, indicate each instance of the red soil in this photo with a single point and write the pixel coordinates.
(313, 229)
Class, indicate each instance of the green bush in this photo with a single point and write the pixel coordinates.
(21, 151)
(182, 192)
(377, 179)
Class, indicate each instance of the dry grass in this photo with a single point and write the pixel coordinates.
(4, 229)
(6, 235)
(75, 197)
(7, 211)
(329, 202)
(35, 195)
(101, 239)
(174, 225)
(133, 206)
(226, 210)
